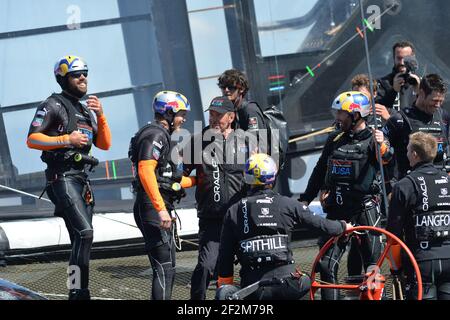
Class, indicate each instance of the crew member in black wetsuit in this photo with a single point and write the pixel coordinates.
(158, 183)
(257, 230)
(64, 129)
(420, 215)
(425, 115)
(348, 169)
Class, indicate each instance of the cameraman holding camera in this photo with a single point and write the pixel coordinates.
(399, 88)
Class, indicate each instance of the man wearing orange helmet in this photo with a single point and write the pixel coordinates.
(65, 130)
(158, 183)
(348, 169)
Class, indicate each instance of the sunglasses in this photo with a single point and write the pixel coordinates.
(78, 74)
(230, 88)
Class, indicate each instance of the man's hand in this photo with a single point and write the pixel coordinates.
(323, 195)
(348, 226)
(166, 220)
(95, 105)
(398, 82)
(378, 136)
(382, 111)
(78, 139)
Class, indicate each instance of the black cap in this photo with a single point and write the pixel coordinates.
(221, 105)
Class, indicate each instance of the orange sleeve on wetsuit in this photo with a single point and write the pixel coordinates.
(103, 140)
(147, 176)
(221, 281)
(384, 148)
(394, 256)
(42, 141)
(188, 182)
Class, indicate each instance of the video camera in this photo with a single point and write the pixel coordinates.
(411, 64)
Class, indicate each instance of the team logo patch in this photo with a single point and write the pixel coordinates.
(444, 191)
(87, 130)
(156, 153)
(37, 122)
(265, 211)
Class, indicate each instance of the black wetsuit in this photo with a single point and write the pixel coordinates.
(257, 230)
(348, 169)
(155, 144)
(68, 184)
(219, 184)
(411, 120)
(420, 214)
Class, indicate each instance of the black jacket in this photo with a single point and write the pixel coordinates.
(398, 129)
(219, 171)
(386, 94)
(249, 117)
(405, 197)
(268, 213)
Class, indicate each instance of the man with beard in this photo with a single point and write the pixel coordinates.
(65, 130)
(349, 169)
(394, 89)
(158, 183)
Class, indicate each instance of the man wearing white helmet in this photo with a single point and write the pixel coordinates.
(158, 183)
(257, 230)
(65, 130)
(348, 170)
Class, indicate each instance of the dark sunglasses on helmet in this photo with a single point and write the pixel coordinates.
(78, 74)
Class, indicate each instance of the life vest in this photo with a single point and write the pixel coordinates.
(435, 128)
(431, 214)
(169, 169)
(81, 120)
(349, 167)
(265, 246)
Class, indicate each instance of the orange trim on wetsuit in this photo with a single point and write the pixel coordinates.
(103, 140)
(147, 176)
(44, 142)
(188, 182)
(383, 149)
(394, 256)
(222, 281)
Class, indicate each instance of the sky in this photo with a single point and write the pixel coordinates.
(26, 63)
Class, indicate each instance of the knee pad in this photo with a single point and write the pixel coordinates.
(87, 234)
